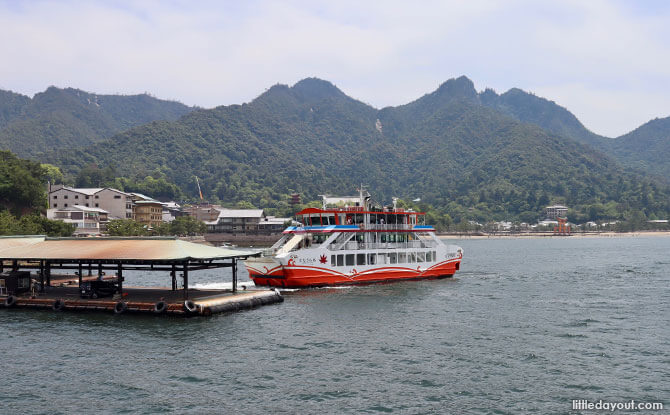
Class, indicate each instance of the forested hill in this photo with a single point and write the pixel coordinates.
(646, 148)
(547, 114)
(66, 118)
(473, 160)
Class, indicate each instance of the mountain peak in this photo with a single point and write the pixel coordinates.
(458, 87)
(315, 88)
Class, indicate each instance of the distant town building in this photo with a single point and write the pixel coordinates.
(171, 211)
(148, 212)
(272, 224)
(87, 220)
(295, 199)
(204, 212)
(236, 220)
(117, 203)
(555, 211)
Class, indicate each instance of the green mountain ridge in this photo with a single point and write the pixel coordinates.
(645, 149)
(476, 161)
(67, 118)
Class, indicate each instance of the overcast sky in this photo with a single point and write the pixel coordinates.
(608, 62)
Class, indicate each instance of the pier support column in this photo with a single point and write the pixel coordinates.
(234, 275)
(119, 277)
(15, 265)
(185, 280)
(79, 271)
(48, 273)
(41, 276)
(173, 274)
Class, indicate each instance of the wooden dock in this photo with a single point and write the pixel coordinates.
(48, 273)
(158, 301)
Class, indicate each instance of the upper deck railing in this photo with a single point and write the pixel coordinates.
(353, 245)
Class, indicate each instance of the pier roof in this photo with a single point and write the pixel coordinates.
(7, 242)
(113, 249)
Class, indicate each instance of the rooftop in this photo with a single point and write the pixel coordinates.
(112, 249)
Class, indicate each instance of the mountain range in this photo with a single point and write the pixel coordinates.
(476, 155)
(68, 118)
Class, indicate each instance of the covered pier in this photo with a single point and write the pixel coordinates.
(94, 275)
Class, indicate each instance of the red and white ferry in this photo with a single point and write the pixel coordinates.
(352, 245)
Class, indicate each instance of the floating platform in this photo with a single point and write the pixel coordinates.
(157, 301)
(26, 280)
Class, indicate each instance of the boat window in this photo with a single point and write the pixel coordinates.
(402, 257)
(371, 259)
(411, 257)
(393, 259)
(420, 257)
(429, 256)
(360, 259)
(381, 258)
(319, 238)
(340, 260)
(333, 261)
(316, 221)
(350, 259)
(434, 256)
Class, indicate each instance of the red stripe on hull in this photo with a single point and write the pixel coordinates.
(302, 277)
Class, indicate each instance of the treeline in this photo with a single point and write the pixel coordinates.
(33, 224)
(181, 226)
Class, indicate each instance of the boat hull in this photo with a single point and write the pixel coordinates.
(298, 276)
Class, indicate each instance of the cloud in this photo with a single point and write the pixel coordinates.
(583, 55)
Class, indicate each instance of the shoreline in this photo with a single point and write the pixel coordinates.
(531, 235)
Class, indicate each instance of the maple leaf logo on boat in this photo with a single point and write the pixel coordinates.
(323, 259)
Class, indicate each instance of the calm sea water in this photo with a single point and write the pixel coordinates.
(525, 327)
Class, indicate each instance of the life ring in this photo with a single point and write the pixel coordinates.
(120, 307)
(190, 307)
(58, 305)
(160, 307)
(10, 301)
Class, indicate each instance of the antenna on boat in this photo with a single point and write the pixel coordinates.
(364, 196)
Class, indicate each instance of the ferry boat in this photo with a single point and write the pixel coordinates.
(356, 243)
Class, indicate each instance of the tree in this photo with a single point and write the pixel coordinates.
(33, 225)
(187, 226)
(125, 227)
(21, 184)
(52, 173)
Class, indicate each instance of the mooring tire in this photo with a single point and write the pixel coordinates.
(160, 307)
(120, 307)
(10, 301)
(190, 307)
(58, 305)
